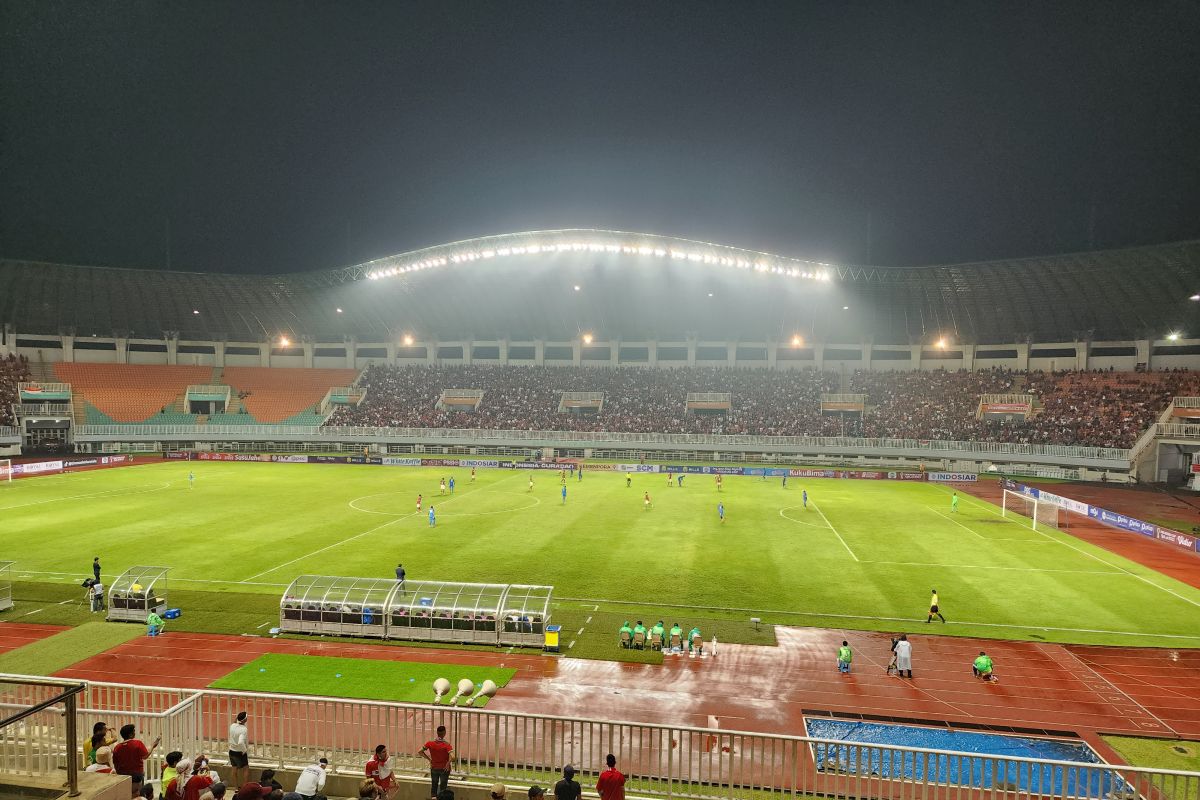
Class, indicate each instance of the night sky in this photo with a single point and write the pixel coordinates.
(281, 136)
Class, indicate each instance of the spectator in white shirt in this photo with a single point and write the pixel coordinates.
(312, 780)
(239, 759)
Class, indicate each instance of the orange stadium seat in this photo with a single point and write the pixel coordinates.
(276, 394)
(130, 392)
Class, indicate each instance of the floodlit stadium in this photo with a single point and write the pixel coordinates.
(428, 401)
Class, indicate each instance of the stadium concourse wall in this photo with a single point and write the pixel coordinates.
(350, 352)
(1111, 519)
(960, 456)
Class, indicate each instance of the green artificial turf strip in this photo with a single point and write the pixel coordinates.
(771, 558)
(1157, 753)
(49, 655)
(360, 678)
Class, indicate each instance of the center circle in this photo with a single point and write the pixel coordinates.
(474, 504)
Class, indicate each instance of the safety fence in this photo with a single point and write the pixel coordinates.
(666, 761)
(845, 444)
(38, 724)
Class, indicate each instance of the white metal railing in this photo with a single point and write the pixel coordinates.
(48, 388)
(8, 432)
(661, 760)
(211, 388)
(1176, 430)
(474, 394)
(38, 727)
(582, 396)
(843, 397)
(1186, 402)
(1026, 399)
(460, 435)
(43, 409)
(709, 397)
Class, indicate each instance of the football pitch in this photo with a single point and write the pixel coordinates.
(863, 554)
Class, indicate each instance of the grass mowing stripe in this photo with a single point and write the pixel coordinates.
(68, 647)
(358, 678)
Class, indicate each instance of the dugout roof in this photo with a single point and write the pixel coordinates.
(632, 287)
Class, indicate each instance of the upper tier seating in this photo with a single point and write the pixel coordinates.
(277, 395)
(13, 370)
(130, 392)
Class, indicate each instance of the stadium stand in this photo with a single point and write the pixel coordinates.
(284, 395)
(1097, 409)
(13, 370)
(1051, 299)
(128, 392)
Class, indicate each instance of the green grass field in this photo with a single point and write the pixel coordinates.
(863, 555)
(362, 678)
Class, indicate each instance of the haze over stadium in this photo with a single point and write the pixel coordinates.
(705, 401)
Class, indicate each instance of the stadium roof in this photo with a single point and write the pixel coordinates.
(556, 284)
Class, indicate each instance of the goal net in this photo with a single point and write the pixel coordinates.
(6, 470)
(1023, 509)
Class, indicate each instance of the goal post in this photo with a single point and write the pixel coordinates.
(6, 471)
(1022, 509)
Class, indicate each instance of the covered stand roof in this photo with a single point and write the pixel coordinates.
(326, 592)
(632, 286)
(143, 579)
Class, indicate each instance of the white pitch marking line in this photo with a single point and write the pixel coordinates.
(579, 632)
(797, 521)
(572, 644)
(110, 492)
(265, 624)
(29, 573)
(586, 621)
(349, 539)
(1093, 556)
(989, 566)
(835, 532)
(956, 522)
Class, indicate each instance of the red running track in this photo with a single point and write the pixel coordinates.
(766, 689)
(19, 634)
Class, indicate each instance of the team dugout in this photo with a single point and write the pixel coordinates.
(136, 592)
(433, 611)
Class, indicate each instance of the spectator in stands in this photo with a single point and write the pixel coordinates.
(170, 767)
(259, 789)
(239, 746)
(14, 370)
(499, 790)
(611, 784)
(311, 782)
(103, 762)
(536, 793)
(191, 779)
(129, 757)
(568, 788)
(214, 792)
(1090, 408)
(379, 770)
(101, 735)
(439, 753)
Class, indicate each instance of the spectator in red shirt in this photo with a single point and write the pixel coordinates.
(611, 785)
(379, 769)
(186, 785)
(438, 753)
(129, 757)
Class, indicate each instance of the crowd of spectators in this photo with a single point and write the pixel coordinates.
(1089, 408)
(14, 369)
